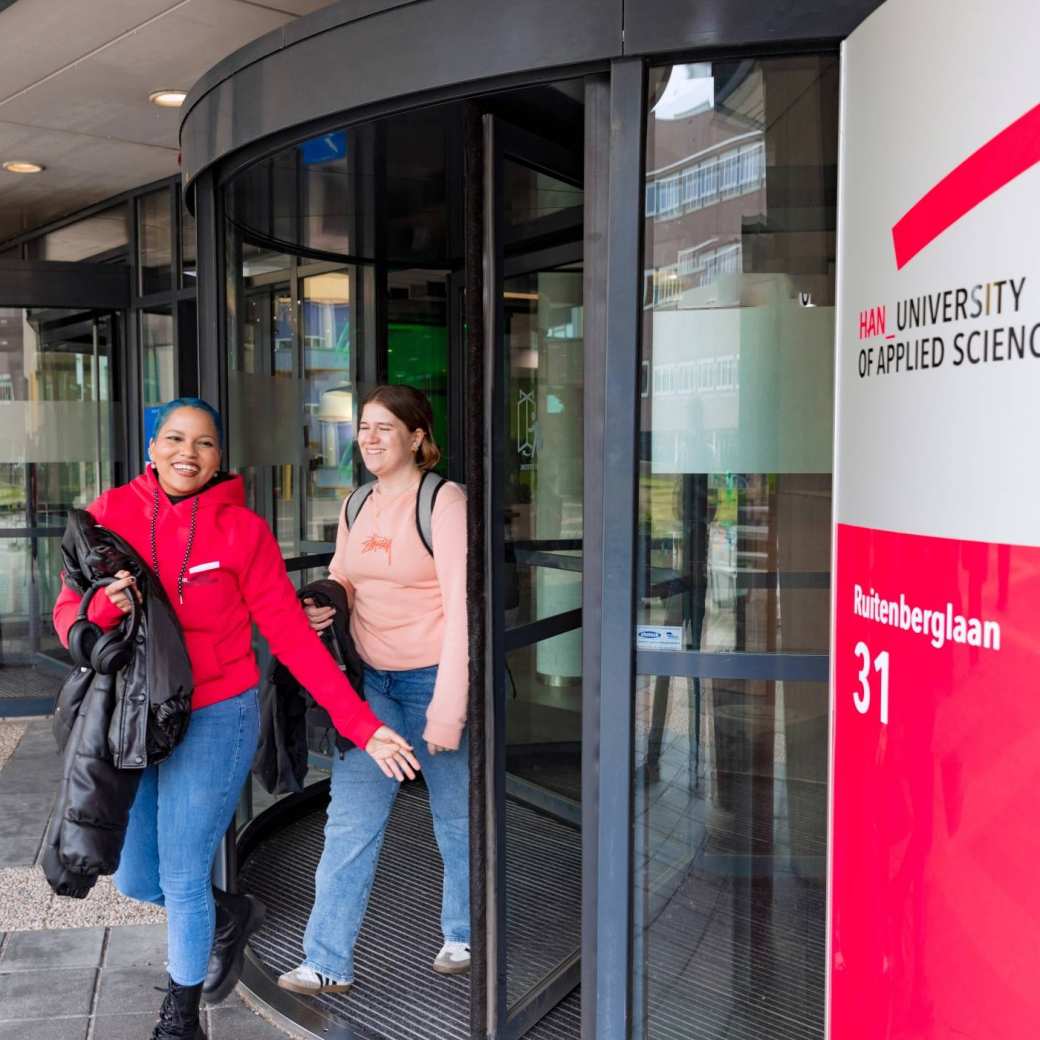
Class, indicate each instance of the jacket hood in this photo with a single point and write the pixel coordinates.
(229, 492)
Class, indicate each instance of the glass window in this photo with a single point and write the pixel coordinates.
(154, 242)
(329, 399)
(417, 342)
(326, 194)
(293, 360)
(158, 364)
(103, 236)
(60, 437)
(733, 555)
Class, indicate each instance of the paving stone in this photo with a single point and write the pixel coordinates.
(21, 824)
(137, 1026)
(66, 948)
(125, 990)
(28, 994)
(32, 778)
(40, 733)
(54, 1029)
(40, 803)
(230, 1022)
(19, 851)
(136, 946)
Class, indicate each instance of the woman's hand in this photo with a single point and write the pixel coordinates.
(319, 617)
(393, 754)
(436, 749)
(120, 591)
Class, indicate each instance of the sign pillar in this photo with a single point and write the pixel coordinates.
(935, 815)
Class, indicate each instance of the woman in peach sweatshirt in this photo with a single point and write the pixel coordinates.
(408, 620)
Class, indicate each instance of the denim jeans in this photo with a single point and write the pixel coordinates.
(182, 809)
(358, 812)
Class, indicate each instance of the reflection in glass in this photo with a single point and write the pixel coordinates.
(417, 342)
(544, 465)
(328, 194)
(328, 400)
(536, 203)
(158, 360)
(736, 407)
(154, 242)
(733, 553)
(293, 361)
(543, 578)
(730, 818)
(57, 425)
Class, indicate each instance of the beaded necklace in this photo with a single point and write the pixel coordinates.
(187, 550)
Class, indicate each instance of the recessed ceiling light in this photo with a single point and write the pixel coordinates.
(20, 166)
(168, 98)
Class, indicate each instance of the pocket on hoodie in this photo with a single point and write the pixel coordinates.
(205, 661)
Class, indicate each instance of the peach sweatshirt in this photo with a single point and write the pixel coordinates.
(408, 610)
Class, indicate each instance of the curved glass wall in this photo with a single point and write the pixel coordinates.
(733, 543)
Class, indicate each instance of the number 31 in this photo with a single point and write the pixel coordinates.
(861, 697)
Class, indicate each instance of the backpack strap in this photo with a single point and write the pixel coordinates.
(429, 488)
(355, 500)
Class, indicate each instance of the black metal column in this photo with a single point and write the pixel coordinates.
(476, 570)
(597, 184)
(213, 314)
(612, 987)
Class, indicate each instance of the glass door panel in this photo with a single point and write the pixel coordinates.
(539, 488)
(543, 518)
(733, 548)
(61, 436)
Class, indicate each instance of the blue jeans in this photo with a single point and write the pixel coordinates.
(182, 809)
(358, 812)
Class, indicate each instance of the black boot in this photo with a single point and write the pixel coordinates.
(238, 917)
(179, 1014)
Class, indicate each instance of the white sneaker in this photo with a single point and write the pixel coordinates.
(305, 979)
(453, 959)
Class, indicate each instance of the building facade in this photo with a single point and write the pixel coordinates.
(602, 238)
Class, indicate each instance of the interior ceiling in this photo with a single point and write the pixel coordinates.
(75, 76)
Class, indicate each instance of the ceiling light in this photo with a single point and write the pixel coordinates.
(168, 98)
(20, 166)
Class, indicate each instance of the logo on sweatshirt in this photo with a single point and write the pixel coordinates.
(377, 543)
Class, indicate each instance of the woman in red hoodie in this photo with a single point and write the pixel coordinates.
(222, 570)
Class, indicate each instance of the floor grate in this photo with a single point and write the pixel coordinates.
(396, 994)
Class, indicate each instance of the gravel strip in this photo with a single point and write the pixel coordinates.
(10, 734)
(28, 904)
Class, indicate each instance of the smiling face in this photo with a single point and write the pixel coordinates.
(387, 445)
(186, 451)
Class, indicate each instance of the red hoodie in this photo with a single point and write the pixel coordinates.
(235, 575)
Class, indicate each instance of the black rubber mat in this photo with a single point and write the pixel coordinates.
(396, 994)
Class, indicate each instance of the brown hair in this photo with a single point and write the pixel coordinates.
(413, 408)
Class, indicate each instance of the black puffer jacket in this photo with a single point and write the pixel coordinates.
(287, 710)
(110, 727)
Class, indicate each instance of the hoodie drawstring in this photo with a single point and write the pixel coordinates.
(187, 550)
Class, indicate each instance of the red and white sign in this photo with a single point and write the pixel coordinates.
(934, 929)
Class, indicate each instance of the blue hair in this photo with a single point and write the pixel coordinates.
(166, 410)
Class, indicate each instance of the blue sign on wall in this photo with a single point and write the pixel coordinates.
(150, 413)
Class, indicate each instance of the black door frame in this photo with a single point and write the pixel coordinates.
(502, 142)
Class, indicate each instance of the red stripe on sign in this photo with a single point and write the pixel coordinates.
(996, 163)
